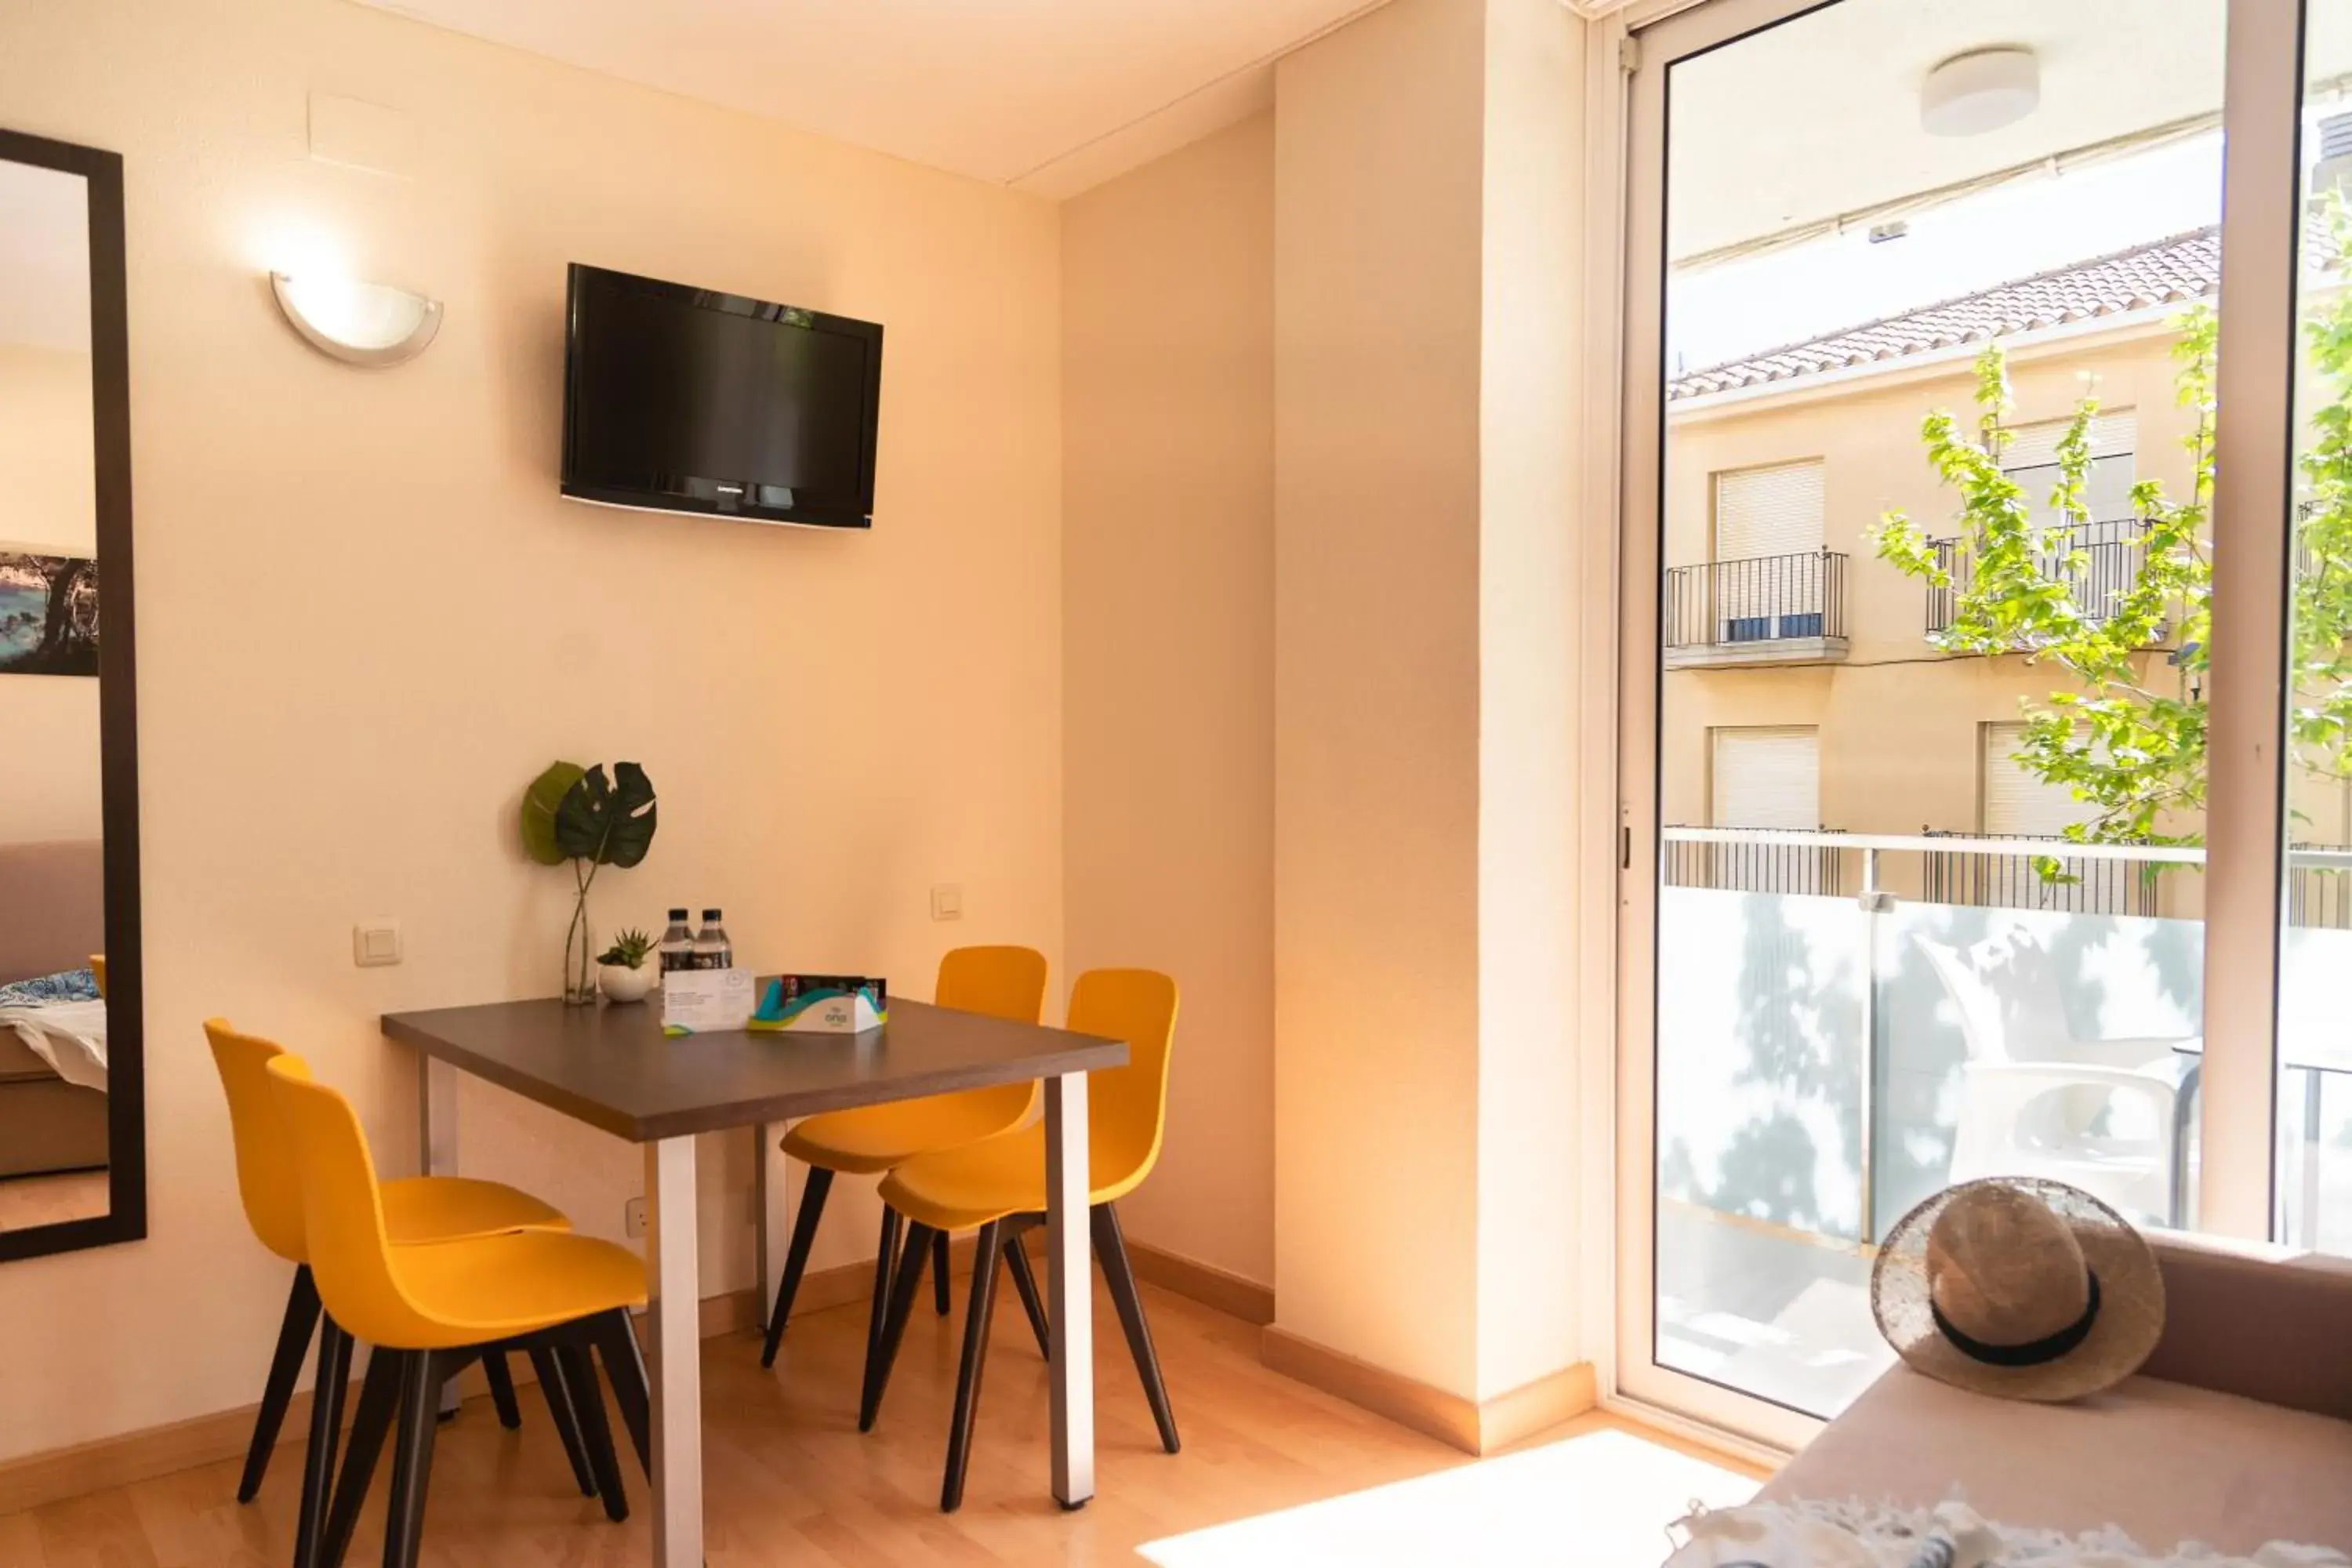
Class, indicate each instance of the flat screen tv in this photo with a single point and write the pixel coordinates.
(679, 399)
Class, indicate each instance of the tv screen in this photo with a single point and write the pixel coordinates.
(683, 399)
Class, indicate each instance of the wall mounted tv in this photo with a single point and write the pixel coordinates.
(679, 399)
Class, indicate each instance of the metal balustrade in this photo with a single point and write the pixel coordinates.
(2111, 554)
(1766, 599)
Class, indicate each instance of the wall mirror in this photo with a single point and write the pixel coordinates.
(73, 1169)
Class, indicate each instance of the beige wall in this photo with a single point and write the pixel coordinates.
(1168, 628)
(366, 619)
(1378, 171)
(50, 783)
(1899, 728)
(1427, 213)
(1530, 410)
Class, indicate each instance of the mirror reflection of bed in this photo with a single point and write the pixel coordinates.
(53, 1148)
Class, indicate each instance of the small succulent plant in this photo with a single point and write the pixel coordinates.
(628, 950)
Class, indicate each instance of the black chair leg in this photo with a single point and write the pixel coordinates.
(412, 1459)
(1024, 1285)
(820, 1182)
(1110, 1246)
(293, 1347)
(556, 1388)
(879, 1358)
(502, 1394)
(616, 1344)
(886, 1259)
(939, 1282)
(379, 1402)
(595, 1432)
(326, 1429)
(986, 1254)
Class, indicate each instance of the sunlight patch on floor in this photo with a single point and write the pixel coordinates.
(1603, 1500)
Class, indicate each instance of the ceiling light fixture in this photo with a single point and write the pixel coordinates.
(1980, 91)
(359, 323)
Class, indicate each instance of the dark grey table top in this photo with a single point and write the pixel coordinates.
(612, 1068)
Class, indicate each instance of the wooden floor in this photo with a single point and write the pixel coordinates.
(790, 1480)
(28, 1201)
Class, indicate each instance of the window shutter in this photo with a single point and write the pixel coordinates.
(1769, 512)
(1768, 778)
(2112, 435)
(2016, 805)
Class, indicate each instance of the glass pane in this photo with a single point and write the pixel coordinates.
(2314, 1113)
(1932, 538)
(55, 1144)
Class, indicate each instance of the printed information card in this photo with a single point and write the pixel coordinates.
(707, 1001)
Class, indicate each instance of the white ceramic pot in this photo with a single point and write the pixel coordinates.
(621, 984)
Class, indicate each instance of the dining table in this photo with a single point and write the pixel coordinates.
(613, 1067)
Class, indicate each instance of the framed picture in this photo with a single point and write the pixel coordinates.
(49, 613)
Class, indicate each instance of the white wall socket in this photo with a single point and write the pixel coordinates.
(947, 902)
(633, 1219)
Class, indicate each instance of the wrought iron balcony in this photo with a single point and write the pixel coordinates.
(2112, 554)
(1771, 609)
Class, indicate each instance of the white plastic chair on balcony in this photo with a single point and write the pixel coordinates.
(2098, 1114)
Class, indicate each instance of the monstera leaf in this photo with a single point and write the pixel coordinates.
(540, 803)
(608, 823)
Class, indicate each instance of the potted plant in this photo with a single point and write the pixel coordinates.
(621, 971)
(576, 814)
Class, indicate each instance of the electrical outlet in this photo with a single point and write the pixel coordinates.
(633, 1219)
(947, 902)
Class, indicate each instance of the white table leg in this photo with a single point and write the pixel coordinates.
(771, 1207)
(1069, 1293)
(436, 1150)
(677, 1360)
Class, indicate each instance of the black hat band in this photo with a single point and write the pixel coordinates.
(2034, 1352)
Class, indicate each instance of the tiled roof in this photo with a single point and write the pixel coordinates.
(2184, 267)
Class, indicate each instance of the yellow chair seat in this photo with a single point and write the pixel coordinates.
(956, 1189)
(874, 1138)
(466, 1292)
(422, 1209)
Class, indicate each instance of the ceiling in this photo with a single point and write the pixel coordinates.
(1049, 95)
(44, 257)
(1820, 116)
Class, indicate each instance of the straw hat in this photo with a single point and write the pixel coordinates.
(2019, 1288)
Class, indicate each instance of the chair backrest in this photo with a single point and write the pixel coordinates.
(342, 1213)
(1979, 1010)
(98, 971)
(1126, 1108)
(266, 1177)
(1006, 982)
(1001, 982)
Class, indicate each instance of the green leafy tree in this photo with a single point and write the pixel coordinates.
(2126, 733)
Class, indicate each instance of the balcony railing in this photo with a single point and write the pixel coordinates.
(1767, 607)
(2112, 550)
(1754, 861)
(2319, 886)
(1996, 881)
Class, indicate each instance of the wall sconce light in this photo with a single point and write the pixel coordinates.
(359, 323)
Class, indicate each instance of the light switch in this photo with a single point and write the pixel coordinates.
(947, 902)
(376, 943)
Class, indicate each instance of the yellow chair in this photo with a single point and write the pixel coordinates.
(999, 1185)
(98, 971)
(1001, 982)
(418, 1209)
(431, 1309)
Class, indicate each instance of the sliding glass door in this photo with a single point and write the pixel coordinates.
(1986, 744)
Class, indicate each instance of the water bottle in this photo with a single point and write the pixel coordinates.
(677, 944)
(711, 948)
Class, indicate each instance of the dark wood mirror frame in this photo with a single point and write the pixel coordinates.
(118, 711)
